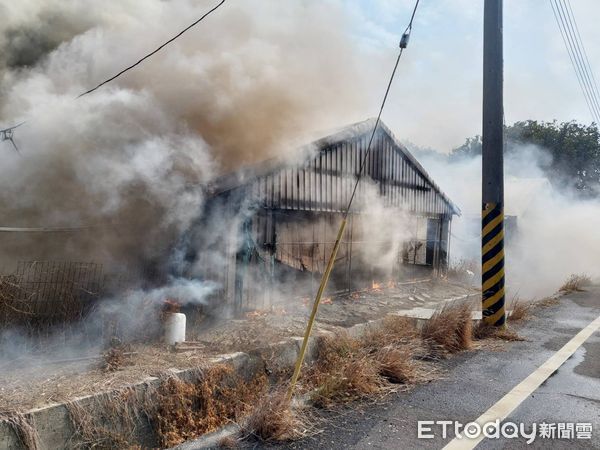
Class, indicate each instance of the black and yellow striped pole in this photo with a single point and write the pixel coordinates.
(492, 216)
(492, 267)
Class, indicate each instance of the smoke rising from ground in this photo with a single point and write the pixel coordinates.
(384, 229)
(129, 162)
(134, 315)
(556, 231)
(130, 159)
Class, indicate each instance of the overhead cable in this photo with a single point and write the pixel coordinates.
(7, 134)
(403, 44)
(326, 273)
(578, 56)
(574, 55)
(154, 51)
(585, 58)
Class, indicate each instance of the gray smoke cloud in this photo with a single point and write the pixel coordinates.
(130, 160)
(551, 232)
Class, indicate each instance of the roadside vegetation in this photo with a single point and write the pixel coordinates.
(576, 283)
(574, 149)
(176, 411)
(519, 310)
(392, 357)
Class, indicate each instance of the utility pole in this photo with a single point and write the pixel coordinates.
(492, 216)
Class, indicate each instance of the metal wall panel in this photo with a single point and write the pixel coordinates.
(325, 183)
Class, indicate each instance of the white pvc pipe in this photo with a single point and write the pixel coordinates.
(174, 328)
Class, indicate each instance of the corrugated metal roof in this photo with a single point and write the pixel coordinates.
(248, 174)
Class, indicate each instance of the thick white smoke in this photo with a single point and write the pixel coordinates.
(130, 158)
(382, 229)
(129, 161)
(556, 231)
(128, 164)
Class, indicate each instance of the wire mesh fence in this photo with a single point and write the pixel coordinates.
(44, 293)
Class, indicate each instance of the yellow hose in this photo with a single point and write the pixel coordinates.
(315, 308)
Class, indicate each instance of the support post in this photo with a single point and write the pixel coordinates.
(242, 261)
(492, 235)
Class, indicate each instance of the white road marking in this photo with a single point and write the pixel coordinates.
(525, 388)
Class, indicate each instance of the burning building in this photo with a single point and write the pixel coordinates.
(268, 230)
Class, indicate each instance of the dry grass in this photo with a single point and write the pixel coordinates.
(177, 418)
(187, 410)
(275, 420)
(521, 310)
(397, 348)
(344, 372)
(349, 369)
(177, 410)
(484, 331)
(116, 429)
(394, 331)
(23, 430)
(355, 380)
(398, 366)
(115, 357)
(346, 369)
(547, 302)
(449, 330)
(576, 283)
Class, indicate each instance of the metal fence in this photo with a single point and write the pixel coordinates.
(52, 291)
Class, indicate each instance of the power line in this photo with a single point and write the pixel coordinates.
(579, 56)
(586, 59)
(403, 45)
(569, 46)
(154, 51)
(572, 48)
(7, 134)
(326, 273)
(573, 63)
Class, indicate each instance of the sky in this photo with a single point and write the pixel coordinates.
(436, 99)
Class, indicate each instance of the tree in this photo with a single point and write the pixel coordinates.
(574, 147)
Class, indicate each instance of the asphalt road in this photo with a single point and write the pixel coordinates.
(475, 381)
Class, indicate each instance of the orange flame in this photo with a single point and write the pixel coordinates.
(279, 311)
(256, 314)
(170, 305)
